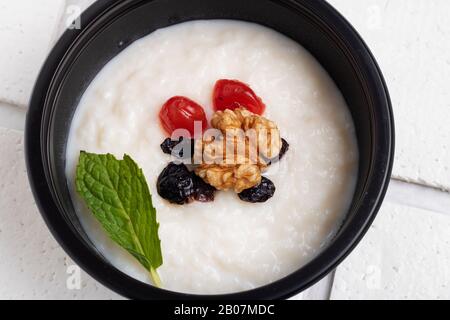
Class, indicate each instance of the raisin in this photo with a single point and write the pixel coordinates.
(176, 184)
(283, 150)
(203, 192)
(177, 147)
(261, 193)
(168, 145)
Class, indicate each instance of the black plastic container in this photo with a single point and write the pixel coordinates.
(110, 25)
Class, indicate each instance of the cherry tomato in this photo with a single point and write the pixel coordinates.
(232, 94)
(180, 113)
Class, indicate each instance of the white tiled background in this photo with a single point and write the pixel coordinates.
(406, 253)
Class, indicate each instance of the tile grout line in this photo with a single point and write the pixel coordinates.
(12, 116)
(419, 196)
(8, 103)
(421, 184)
(330, 283)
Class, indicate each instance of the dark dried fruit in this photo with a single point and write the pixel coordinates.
(168, 145)
(261, 193)
(177, 147)
(203, 192)
(283, 150)
(176, 184)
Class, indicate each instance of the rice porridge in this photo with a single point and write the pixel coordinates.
(227, 245)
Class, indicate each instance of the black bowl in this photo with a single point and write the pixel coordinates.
(109, 26)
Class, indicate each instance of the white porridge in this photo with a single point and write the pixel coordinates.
(227, 245)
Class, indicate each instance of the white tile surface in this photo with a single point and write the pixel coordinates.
(405, 255)
(32, 264)
(27, 31)
(411, 41)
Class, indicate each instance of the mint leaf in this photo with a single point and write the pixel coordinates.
(117, 194)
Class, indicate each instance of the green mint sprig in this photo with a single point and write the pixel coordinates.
(118, 195)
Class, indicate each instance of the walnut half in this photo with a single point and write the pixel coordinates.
(235, 160)
(225, 177)
(265, 132)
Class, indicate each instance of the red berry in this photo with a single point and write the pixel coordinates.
(181, 113)
(232, 94)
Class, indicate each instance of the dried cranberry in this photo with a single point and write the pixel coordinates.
(177, 147)
(260, 193)
(203, 192)
(176, 184)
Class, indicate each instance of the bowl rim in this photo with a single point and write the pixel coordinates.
(129, 287)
